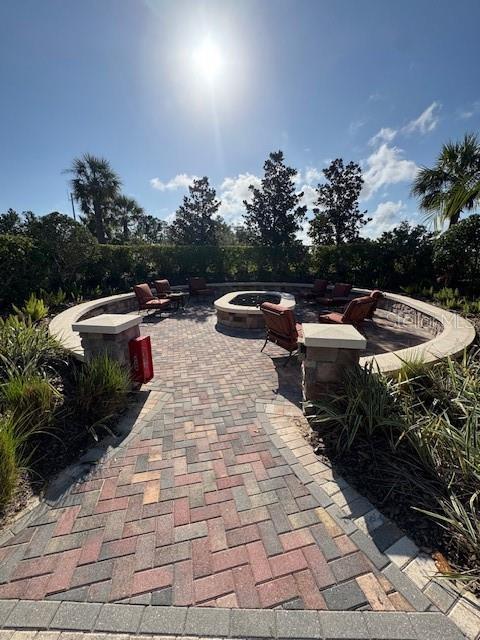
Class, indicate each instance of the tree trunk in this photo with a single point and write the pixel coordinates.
(99, 226)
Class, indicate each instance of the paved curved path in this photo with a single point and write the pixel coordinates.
(214, 499)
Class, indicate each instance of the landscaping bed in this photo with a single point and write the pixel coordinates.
(52, 407)
(412, 447)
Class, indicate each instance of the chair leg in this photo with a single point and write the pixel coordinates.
(264, 345)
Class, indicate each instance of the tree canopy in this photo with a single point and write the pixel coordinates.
(337, 217)
(196, 220)
(274, 214)
(452, 185)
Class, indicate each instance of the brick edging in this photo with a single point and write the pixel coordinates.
(223, 623)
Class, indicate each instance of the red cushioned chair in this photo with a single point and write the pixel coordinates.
(199, 287)
(162, 287)
(377, 295)
(356, 312)
(282, 329)
(318, 290)
(147, 301)
(339, 295)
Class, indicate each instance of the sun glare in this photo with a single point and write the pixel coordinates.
(208, 60)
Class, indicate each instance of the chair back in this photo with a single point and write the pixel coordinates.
(341, 290)
(376, 295)
(319, 286)
(197, 284)
(358, 310)
(279, 321)
(162, 286)
(143, 294)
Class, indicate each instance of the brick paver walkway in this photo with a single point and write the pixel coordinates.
(202, 506)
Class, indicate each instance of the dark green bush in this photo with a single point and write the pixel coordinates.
(456, 254)
(101, 388)
(19, 260)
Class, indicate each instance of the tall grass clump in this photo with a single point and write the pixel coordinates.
(33, 310)
(417, 438)
(9, 463)
(28, 396)
(27, 349)
(101, 389)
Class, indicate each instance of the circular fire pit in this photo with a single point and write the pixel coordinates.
(241, 309)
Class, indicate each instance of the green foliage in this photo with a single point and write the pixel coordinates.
(338, 218)
(457, 253)
(195, 220)
(453, 184)
(9, 464)
(19, 260)
(33, 310)
(101, 388)
(422, 430)
(27, 350)
(274, 215)
(32, 397)
(54, 298)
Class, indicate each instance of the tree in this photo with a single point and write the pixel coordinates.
(151, 229)
(11, 223)
(405, 255)
(274, 215)
(195, 221)
(127, 215)
(337, 217)
(65, 248)
(456, 254)
(453, 184)
(95, 187)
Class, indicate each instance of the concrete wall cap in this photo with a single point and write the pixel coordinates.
(332, 336)
(109, 323)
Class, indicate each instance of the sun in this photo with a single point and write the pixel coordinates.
(208, 59)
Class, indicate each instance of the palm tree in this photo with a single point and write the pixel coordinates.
(127, 212)
(95, 186)
(453, 184)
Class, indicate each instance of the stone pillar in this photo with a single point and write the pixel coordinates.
(325, 351)
(108, 333)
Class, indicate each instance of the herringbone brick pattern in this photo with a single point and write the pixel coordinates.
(200, 507)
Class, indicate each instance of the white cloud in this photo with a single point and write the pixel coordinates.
(180, 181)
(426, 121)
(309, 196)
(384, 218)
(469, 112)
(384, 135)
(386, 166)
(313, 175)
(232, 193)
(355, 126)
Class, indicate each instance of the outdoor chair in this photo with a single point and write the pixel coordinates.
(281, 327)
(199, 287)
(356, 312)
(340, 295)
(318, 290)
(147, 301)
(162, 287)
(377, 295)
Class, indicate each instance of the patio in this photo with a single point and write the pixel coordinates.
(203, 506)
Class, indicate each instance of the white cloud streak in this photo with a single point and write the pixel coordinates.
(384, 218)
(180, 181)
(426, 121)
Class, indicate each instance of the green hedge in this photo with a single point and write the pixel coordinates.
(107, 269)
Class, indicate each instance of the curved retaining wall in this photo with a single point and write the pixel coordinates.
(451, 333)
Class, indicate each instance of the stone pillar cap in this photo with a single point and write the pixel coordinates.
(332, 336)
(110, 323)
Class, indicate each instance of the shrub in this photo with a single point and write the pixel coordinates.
(27, 350)
(101, 388)
(31, 397)
(19, 262)
(9, 471)
(456, 254)
(34, 309)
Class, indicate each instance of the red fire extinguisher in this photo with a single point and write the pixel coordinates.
(140, 350)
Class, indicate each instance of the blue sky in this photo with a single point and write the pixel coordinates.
(380, 82)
